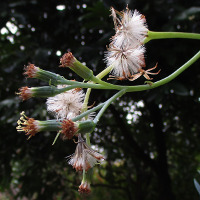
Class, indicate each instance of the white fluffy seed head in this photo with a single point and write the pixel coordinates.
(67, 104)
(126, 61)
(131, 28)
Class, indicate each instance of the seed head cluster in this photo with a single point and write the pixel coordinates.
(126, 51)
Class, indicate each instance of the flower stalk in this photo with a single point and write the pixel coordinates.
(152, 35)
(107, 103)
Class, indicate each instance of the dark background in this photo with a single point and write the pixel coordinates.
(152, 150)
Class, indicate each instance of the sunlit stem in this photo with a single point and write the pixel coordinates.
(84, 176)
(105, 72)
(56, 138)
(166, 35)
(107, 103)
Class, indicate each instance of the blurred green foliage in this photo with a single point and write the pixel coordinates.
(152, 147)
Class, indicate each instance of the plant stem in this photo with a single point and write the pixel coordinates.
(82, 85)
(105, 72)
(165, 35)
(85, 104)
(107, 103)
(142, 87)
(84, 109)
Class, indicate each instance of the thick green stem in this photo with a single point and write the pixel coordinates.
(107, 103)
(165, 35)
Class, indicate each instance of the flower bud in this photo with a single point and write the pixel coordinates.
(68, 60)
(31, 71)
(31, 126)
(45, 91)
(25, 93)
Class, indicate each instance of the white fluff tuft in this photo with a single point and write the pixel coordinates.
(132, 29)
(66, 105)
(126, 61)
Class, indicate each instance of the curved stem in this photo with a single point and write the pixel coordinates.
(166, 35)
(107, 103)
(142, 87)
(88, 112)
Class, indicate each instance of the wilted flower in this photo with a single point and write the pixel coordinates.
(130, 27)
(84, 157)
(84, 188)
(67, 104)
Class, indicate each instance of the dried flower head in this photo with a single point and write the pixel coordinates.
(84, 157)
(31, 70)
(28, 125)
(25, 93)
(126, 61)
(67, 60)
(130, 27)
(84, 188)
(67, 104)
